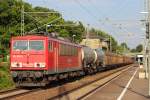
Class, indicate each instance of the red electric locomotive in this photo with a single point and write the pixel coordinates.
(35, 59)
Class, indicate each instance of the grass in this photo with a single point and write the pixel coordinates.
(6, 81)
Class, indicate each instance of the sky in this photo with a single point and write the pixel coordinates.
(119, 18)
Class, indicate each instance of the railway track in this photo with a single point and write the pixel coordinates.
(8, 94)
(71, 90)
(84, 90)
(7, 91)
(75, 90)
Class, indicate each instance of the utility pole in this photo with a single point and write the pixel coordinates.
(148, 45)
(87, 34)
(110, 48)
(145, 51)
(23, 13)
(145, 44)
(22, 19)
(124, 51)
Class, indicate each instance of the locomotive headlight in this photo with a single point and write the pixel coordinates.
(13, 64)
(36, 64)
(16, 64)
(42, 65)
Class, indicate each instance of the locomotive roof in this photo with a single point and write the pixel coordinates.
(29, 37)
(64, 42)
(45, 37)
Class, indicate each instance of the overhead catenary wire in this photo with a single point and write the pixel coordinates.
(87, 11)
(48, 23)
(91, 13)
(121, 4)
(116, 21)
(60, 25)
(97, 9)
(104, 15)
(70, 13)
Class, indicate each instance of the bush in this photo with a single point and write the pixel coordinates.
(5, 78)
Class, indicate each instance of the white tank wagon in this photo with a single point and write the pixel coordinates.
(92, 57)
(92, 60)
(99, 57)
(89, 56)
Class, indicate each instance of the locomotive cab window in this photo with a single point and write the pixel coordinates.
(36, 45)
(20, 45)
(28, 45)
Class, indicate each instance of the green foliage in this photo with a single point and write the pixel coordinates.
(64, 33)
(122, 48)
(5, 78)
(114, 44)
(99, 33)
(138, 48)
(133, 50)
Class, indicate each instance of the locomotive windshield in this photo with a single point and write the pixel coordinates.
(20, 45)
(36, 45)
(28, 45)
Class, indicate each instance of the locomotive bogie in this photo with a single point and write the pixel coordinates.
(29, 78)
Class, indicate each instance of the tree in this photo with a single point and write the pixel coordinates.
(114, 44)
(133, 50)
(125, 46)
(122, 48)
(139, 48)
